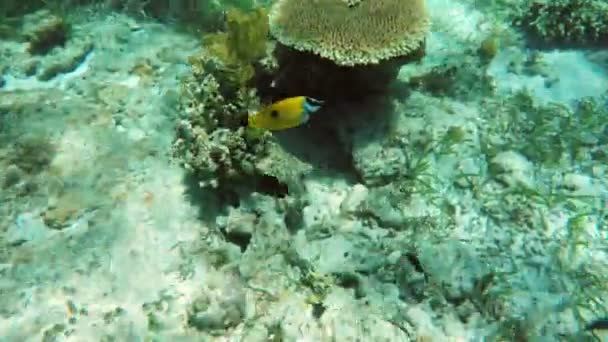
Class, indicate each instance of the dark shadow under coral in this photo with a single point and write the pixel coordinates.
(326, 140)
(318, 146)
(208, 203)
(229, 193)
(354, 97)
(302, 73)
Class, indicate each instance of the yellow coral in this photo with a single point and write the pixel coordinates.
(245, 38)
(243, 43)
(371, 31)
(248, 33)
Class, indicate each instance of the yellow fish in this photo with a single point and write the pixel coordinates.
(284, 114)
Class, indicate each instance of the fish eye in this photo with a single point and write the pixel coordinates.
(274, 114)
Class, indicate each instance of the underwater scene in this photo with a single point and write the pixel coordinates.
(303, 170)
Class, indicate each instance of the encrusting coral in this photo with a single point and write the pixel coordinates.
(231, 75)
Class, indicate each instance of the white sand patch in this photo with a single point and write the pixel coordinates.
(569, 76)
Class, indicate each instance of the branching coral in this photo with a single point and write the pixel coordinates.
(569, 22)
(212, 139)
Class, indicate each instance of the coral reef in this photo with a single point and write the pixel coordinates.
(367, 33)
(336, 52)
(464, 211)
(210, 140)
(564, 22)
(213, 140)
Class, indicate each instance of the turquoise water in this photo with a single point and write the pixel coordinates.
(452, 187)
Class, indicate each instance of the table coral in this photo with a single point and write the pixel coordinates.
(362, 33)
(336, 51)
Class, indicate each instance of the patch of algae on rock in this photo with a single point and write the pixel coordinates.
(213, 141)
(44, 31)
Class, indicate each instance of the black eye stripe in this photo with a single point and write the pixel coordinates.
(274, 114)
